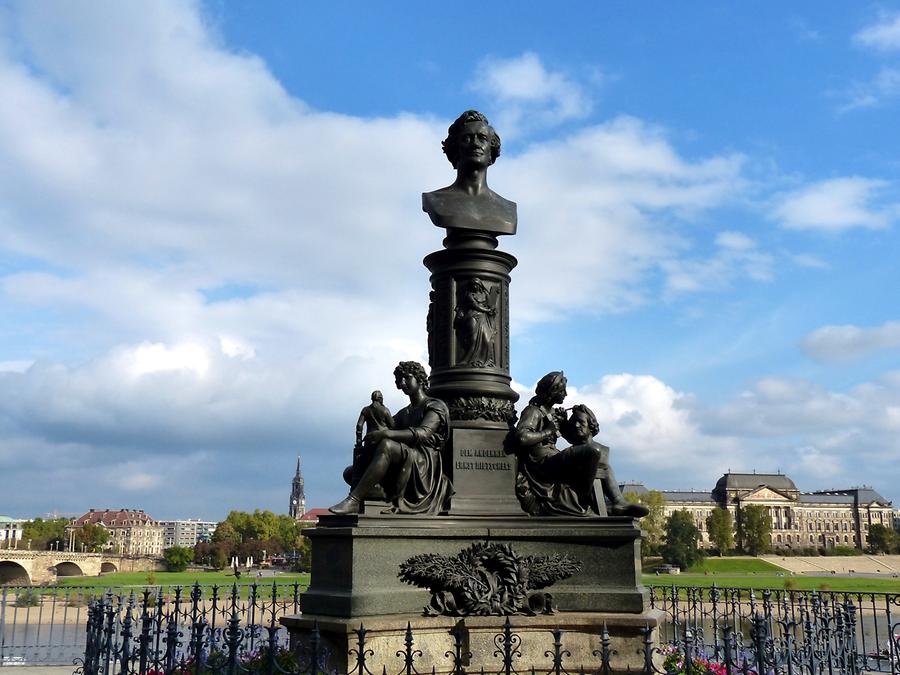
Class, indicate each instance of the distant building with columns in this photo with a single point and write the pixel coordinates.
(131, 531)
(11, 531)
(298, 498)
(819, 519)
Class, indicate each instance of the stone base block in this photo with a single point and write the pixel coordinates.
(356, 560)
(482, 641)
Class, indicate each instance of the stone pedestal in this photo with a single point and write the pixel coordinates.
(356, 559)
(532, 641)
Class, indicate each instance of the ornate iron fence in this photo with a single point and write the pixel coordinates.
(709, 631)
(871, 621)
(48, 625)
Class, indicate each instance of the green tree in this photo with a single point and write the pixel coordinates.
(219, 557)
(225, 533)
(755, 529)
(42, 533)
(720, 526)
(882, 539)
(654, 524)
(177, 558)
(290, 533)
(681, 546)
(91, 537)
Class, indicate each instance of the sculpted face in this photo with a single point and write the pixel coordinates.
(582, 427)
(474, 145)
(407, 383)
(558, 393)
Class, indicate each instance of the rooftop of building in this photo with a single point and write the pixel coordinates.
(117, 518)
(688, 496)
(312, 515)
(751, 481)
(825, 498)
(864, 494)
(7, 519)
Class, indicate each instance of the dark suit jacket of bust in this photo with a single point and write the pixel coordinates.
(454, 209)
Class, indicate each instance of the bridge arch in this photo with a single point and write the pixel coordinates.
(68, 569)
(108, 568)
(13, 573)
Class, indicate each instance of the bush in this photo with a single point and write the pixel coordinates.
(178, 557)
(790, 584)
(28, 598)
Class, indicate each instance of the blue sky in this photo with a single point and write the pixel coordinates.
(211, 242)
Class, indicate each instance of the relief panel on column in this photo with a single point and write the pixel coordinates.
(476, 323)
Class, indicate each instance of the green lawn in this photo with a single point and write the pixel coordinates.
(773, 581)
(734, 566)
(140, 579)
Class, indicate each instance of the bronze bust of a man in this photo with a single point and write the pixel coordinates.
(468, 203)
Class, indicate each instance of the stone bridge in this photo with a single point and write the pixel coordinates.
(19, 567)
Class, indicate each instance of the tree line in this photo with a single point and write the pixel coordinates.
(257, 535)
(677, 538)
(245, 535)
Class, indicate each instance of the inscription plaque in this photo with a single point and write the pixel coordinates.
(483, 474)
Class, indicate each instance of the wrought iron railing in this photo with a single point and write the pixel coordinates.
(871, 621)
(48, 625)
(708, 630)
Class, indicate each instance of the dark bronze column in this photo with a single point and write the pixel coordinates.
(468, 331)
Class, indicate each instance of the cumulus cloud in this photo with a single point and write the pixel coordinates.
(650, 421)
(883, 35)
(848, 342)
(527, 95)
(225, 273)
(823, 439)
(835, 205)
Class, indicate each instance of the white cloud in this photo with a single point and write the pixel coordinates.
(823, 439)
(604, 204)
(527, 95)
(649, 426)
(872, 93)
(15, 366)
(834, 205)
(736, 256)
(848, 342)
(151, 172)
(883, 35)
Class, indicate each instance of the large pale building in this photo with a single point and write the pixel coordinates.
(820, 519)
(11, 531)
(131, 531)
(186, 533)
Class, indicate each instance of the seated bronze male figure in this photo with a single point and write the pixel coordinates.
(406, 458)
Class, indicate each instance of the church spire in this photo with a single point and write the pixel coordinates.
(298, 498)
